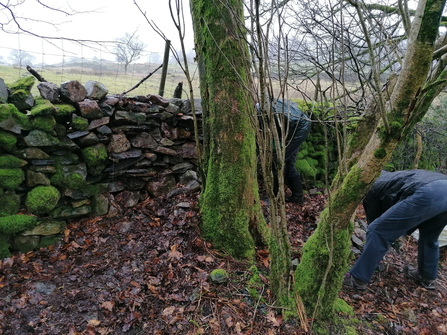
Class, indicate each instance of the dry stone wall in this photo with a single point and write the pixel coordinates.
(77, 151)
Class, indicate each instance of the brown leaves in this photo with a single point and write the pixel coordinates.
(108, 305)
(147, 272)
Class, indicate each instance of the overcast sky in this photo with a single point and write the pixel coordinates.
(98, 20)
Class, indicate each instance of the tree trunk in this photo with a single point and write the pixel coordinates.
(419, 147)
(326, 253)
(230, 205)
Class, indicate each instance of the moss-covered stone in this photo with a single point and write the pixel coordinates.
(10, 179)
(46, 241)
(219, 276)
(9, 204)
(95, 157)
(40, 138)
(68, 212)
(47, 227)
(42, 107)
(73, 181)
(12, 119)
(63, 112)
(21, 95)
(8, 140)
(25, 244)
(79, 123)
(44, 122)
(42, 199)
(25, 83)
(4, 246)
(11, 162)
(14, 224)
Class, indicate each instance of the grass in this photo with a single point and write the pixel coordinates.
(110, 75)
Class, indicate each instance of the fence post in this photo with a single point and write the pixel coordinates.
(164, 71)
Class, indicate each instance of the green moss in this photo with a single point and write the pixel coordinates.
(95, 155)
(10, 179)
(8, 140)
(311, 272)
(307, 167)
(42, 107)
(11, 162)
(14, 224)
(9, 204)
(42, 199)
(341, 306)
(254, 283)
(351, 192)
(4, 246)
(380, 153)
(25, 83)
(9, 114)
(73, 181)
(64, 109)
(44, 122)
(79, 123)
(96, 158)
(47, 241)
(219, 276)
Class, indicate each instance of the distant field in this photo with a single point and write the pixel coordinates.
(116, 81)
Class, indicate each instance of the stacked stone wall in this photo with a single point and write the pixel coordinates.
(77, 151)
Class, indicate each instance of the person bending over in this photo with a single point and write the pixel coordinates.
(397, 204)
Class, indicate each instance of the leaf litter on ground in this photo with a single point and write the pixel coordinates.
(147, 272)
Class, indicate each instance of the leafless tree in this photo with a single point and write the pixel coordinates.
(21, 58)
(128, 49)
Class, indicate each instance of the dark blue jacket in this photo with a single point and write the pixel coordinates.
(298, 122)
(392, 187)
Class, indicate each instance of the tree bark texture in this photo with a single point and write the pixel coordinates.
(230, 205)
(326, 254)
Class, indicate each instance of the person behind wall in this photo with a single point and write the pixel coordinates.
(397, 204)
(298, 127)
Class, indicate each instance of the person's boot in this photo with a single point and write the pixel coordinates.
(296, 187)
(425, 283)
(351, 281)
(295, 199)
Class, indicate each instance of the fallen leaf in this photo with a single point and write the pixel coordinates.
(168, 311)
(108, 305)
(174, 254)
(271, 317)
(94, 323)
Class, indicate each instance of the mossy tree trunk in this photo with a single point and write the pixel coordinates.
(230, 205)
(326, 254)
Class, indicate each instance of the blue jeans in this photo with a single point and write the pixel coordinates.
(425, 210)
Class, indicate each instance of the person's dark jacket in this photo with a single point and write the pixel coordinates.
(392, 187)
(298, 122)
